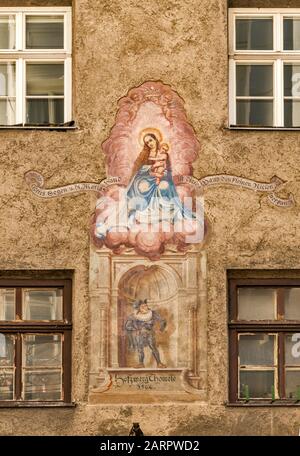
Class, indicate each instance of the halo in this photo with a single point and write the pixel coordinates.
(146, 131)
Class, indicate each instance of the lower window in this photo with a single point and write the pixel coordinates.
(264, 328)
(35, 341)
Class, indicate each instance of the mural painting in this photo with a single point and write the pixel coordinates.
(148, 261)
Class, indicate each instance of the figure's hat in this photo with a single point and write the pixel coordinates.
(136, 304)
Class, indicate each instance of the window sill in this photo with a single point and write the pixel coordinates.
(276, 403)
(234, 127)
(69, 126)
(21, 404)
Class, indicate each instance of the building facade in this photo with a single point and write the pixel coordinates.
(191, 329)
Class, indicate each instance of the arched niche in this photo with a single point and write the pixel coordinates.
(175, 286)
(159, 286)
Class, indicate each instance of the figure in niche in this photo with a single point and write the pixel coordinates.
(140, 328)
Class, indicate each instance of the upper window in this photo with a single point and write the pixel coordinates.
(35, 341)
(264, 348)
(35, 66)
(264, 62)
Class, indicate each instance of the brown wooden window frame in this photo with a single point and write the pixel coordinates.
(19, 327)
(281, 327)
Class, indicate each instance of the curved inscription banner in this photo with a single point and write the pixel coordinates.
(241, 182)
(36, 182)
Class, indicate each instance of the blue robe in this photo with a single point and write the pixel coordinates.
(147, 202)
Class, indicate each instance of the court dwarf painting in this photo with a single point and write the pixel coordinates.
(150, 146)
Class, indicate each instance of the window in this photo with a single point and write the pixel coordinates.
(264, 334)
(35, 341)
(35, 66)
(264, 65)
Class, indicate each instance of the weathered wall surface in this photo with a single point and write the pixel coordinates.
(118, 45)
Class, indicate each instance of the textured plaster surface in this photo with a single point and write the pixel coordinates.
(118, 45)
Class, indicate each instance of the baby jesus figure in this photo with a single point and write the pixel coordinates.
(159, 163)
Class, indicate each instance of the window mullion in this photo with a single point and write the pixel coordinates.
(231, 38)
(18, 303)
(68, 89)
(19, 91)
(24, 90)
(278, 93)
(18, 368)
(233, 366)
(277, 32)
(68, 32)
(281, 369)
(66, 366)
(19, 31)
(232, 92)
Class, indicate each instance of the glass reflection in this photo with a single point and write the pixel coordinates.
(292, 303)
(42, 350)
(256, 349)
(256, 303)
(254, 80)
(7, 32)
(257, 384)
(7, 303)
(45, 79)
(42, 304)
(291, 34)
(254, 34)
(44, 32)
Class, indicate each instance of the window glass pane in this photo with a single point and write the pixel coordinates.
(291, 34)
(48, 111)
(7, 32)
(7, 356)
(43, 304)
(256, 349)
(7, 350)
(42, 350)
(292, 384)
(292, 303)
(42, 367)
(45, 79)
(291, 80)
(256, 303)
(292, 349)
(291, 113)
(8, 111)
(42, 385)
(256, 34)
(44, 32)
(7, 79)
(254, 80)
(6, 384)
(256, 384)
(254, 112)
(7, 304)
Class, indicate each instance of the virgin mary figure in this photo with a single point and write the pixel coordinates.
(150, 199)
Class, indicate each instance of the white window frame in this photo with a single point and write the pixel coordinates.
(20, 55)
(278, 57)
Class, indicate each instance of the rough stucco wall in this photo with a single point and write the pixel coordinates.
(118, 45)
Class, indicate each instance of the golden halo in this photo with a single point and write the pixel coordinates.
(146, 131)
